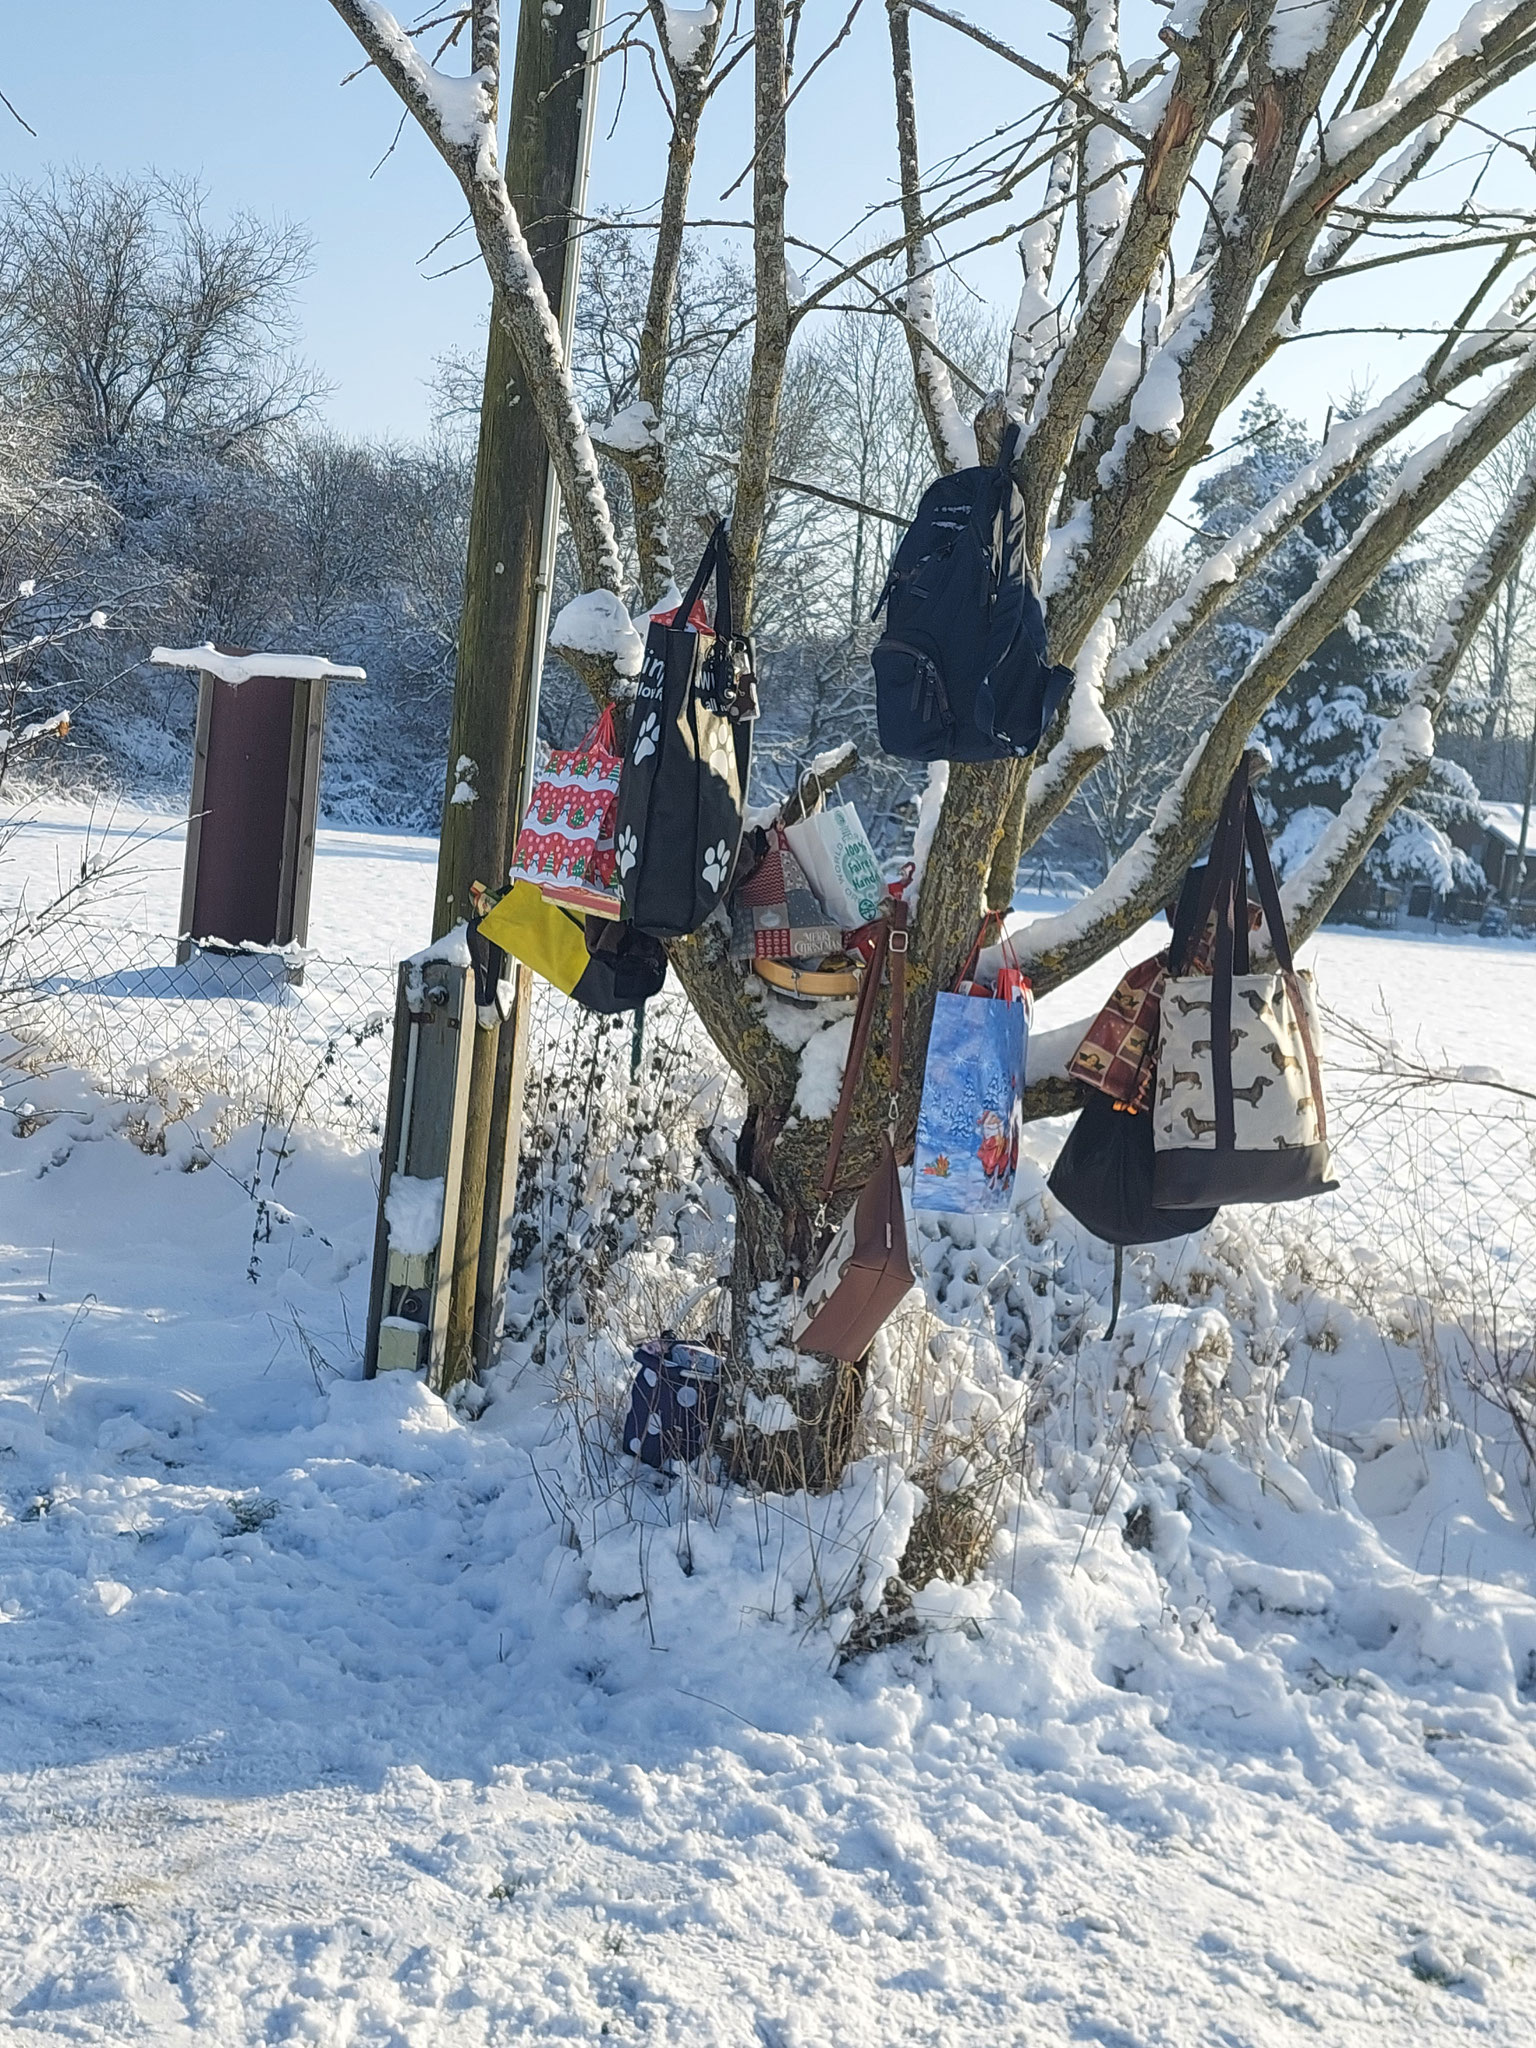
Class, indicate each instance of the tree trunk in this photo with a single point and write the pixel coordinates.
(1515, 889)
(774, 1177)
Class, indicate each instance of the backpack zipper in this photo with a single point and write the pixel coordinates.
(930, 699)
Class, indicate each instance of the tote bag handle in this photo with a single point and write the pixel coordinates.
(992, 919)
(1240, 842)
(1218, 873)
(890, 944)
(715, 561)
(1280, 939)
(720, 661)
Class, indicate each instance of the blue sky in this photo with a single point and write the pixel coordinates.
(250, 99)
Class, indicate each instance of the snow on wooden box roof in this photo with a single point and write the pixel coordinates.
(240, 668)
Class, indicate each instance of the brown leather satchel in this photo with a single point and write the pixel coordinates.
(865, 1270)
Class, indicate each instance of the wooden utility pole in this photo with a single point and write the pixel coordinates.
(501, 632)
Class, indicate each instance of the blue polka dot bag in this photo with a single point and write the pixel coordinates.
(672, 1402)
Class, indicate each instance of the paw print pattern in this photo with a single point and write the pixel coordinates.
(716, 860)
(627, 850)
(721, 755)
(646, 738)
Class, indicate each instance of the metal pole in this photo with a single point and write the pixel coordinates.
(550, 106)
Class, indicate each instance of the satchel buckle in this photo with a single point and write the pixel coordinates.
(899, 938)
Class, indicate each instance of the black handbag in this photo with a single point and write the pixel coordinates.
(1104, 1172)
(1103, 1176)
(625, 967)
(677, 828)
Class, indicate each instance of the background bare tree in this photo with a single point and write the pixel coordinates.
(1286, 148)
(129, 316)
(1152, 728)
(44, 520)
(147, 376)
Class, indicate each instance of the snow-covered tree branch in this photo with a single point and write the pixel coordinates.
(1407, 744)
(1147, 875)
(458, 114)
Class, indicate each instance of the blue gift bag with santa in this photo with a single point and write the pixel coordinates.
(972, 1111)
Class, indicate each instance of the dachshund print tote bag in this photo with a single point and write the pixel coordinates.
(1239, 1113)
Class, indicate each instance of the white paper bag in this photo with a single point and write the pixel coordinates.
(839, 862)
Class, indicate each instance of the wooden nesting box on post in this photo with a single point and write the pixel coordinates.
(255, 795)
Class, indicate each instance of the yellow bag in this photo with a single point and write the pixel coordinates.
(543, 935)
(627, 969)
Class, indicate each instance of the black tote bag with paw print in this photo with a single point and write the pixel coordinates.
(677, 828)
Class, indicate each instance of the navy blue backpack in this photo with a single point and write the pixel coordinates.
(961, 671)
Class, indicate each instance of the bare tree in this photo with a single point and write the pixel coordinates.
(57, 631)
(40, 521)
(1184, 216)
(126, 313)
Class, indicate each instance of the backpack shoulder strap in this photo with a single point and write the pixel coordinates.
(998, 521)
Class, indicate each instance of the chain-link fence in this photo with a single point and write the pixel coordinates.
(1438, 1173)
(1438, 1166)
(296, 1040)
(283, 1036)
(1432, 1232)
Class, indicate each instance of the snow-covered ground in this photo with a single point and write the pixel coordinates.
(333, 1715)
(371, 900)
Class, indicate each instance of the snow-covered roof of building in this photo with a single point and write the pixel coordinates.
(240, 668)
(1505, 820)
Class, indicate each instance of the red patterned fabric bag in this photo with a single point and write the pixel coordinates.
(1117, 1054)
(565, 847)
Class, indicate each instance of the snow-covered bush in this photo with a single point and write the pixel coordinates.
(611, 1170)
(994, 1406)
